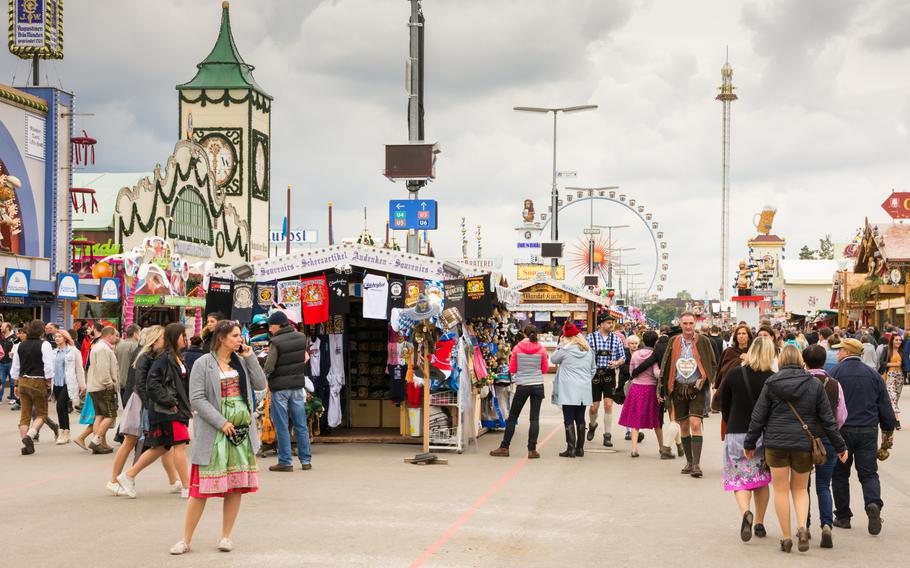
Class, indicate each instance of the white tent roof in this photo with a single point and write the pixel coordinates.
(106, 186)
(808, 271)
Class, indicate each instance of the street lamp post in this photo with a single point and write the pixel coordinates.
(554, 194)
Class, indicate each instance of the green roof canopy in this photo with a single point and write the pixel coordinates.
(224, 68)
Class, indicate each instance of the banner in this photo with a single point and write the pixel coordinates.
(530, 271)
(218, 298)
(289, 297)
(265, 294)
(242, 306)
(67, 286)
(110, 290)
(17, 282)
(455, 290)
(478, 301)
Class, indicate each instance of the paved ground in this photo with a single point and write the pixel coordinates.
(361, 506)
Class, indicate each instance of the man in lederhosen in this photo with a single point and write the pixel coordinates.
(685, 372)
(608, 356)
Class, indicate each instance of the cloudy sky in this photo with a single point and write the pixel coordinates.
(820, 129)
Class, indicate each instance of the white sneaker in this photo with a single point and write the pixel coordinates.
(176, 487)
(180, 548)
(184, 493)
(128, 485)
(63, 438)
(114, 488)
(225, 545)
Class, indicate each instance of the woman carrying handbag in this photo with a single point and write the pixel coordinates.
(572, 387)
(790, 411)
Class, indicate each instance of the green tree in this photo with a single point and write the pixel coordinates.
(806, 254)
(826, 248)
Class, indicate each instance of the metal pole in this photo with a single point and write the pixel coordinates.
(591, 240)
(415, 104)
(554, 226)
(610, 253)
(35, 70)
(287, 226)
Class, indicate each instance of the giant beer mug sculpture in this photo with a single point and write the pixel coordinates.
(765, 219)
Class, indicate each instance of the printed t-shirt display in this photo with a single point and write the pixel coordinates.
(375, 296)
(314, 300)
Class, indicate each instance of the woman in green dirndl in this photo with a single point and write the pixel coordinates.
(225, 438)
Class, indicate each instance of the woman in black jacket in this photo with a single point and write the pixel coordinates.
(788, 448)
(168, 405)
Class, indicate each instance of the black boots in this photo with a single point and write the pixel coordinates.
(570, 443)
(579, 440)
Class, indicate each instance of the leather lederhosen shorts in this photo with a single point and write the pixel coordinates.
(603, 385)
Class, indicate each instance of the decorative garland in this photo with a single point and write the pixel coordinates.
(258, 100)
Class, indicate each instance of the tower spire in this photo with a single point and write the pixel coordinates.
(726, 97)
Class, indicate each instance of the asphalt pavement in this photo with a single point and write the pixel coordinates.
(361, 505)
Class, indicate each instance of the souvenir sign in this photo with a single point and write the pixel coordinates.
(67, 286)
(17, 281)
(110, 290)
(686, 367)
(36, 28)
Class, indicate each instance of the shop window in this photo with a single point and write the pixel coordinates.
(190, 219)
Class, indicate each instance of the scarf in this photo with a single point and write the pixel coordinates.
(731, 358)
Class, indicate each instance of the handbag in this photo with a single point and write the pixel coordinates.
(819, 454)
(554, 398)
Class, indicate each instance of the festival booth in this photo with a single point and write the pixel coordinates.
(549, 303)
(381, 325)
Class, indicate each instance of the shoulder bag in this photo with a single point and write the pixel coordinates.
(819, 454)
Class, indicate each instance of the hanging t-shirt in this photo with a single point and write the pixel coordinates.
(264, 295)
(454, 290)
(289, 296)
(478, 301)
(375, 296)
(218, 297)
(339, 302)
(314, 299)
(242, 308)
(396, 294)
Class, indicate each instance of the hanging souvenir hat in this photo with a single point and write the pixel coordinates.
(442, 357)
(421, 311)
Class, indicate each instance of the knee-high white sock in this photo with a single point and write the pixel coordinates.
(678, 433)
(592, 418)
(608, 422)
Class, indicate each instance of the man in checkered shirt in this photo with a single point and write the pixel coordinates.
(609, 355)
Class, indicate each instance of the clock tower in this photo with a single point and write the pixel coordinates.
(226, 112)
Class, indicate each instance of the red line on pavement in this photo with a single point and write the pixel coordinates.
(492, 490)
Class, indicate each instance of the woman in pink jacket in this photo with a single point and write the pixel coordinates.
(527, 365)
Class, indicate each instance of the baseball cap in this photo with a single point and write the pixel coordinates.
(851, 345)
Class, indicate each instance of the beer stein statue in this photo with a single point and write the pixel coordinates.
(765, 219)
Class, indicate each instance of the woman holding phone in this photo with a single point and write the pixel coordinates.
(226, 438)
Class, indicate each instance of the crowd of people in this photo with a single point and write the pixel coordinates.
(790, 403)
(160, 385)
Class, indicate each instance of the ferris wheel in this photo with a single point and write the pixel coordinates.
(574, 196)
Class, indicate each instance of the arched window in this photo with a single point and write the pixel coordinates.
(189, 218)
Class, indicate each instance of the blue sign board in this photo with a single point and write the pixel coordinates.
(67, 286)
(412, 214)
(17, 282)
(110, 290)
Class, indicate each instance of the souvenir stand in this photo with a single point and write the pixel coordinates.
(379, 331)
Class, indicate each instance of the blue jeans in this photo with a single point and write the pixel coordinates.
(823, 474)
(862, 443)
(5, 378)
(293, 400)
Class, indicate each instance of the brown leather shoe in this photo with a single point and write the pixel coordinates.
(281, 467)
(500, 453)
(533, 455)
(686, 470)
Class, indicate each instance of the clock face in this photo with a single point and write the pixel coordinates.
(222, 157)
(260, 165)
(528, 235)
(896, 276)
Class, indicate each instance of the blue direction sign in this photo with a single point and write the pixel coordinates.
(412, 214)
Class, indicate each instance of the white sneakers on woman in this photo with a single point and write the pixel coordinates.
(182, 548)
(176, 487)
(128, 484)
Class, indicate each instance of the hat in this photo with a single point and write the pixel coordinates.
(570, 330)
(852, 346)
(278, 318)
(605, 316)
(423, 310)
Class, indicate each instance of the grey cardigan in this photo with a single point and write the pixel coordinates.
(205, 398)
